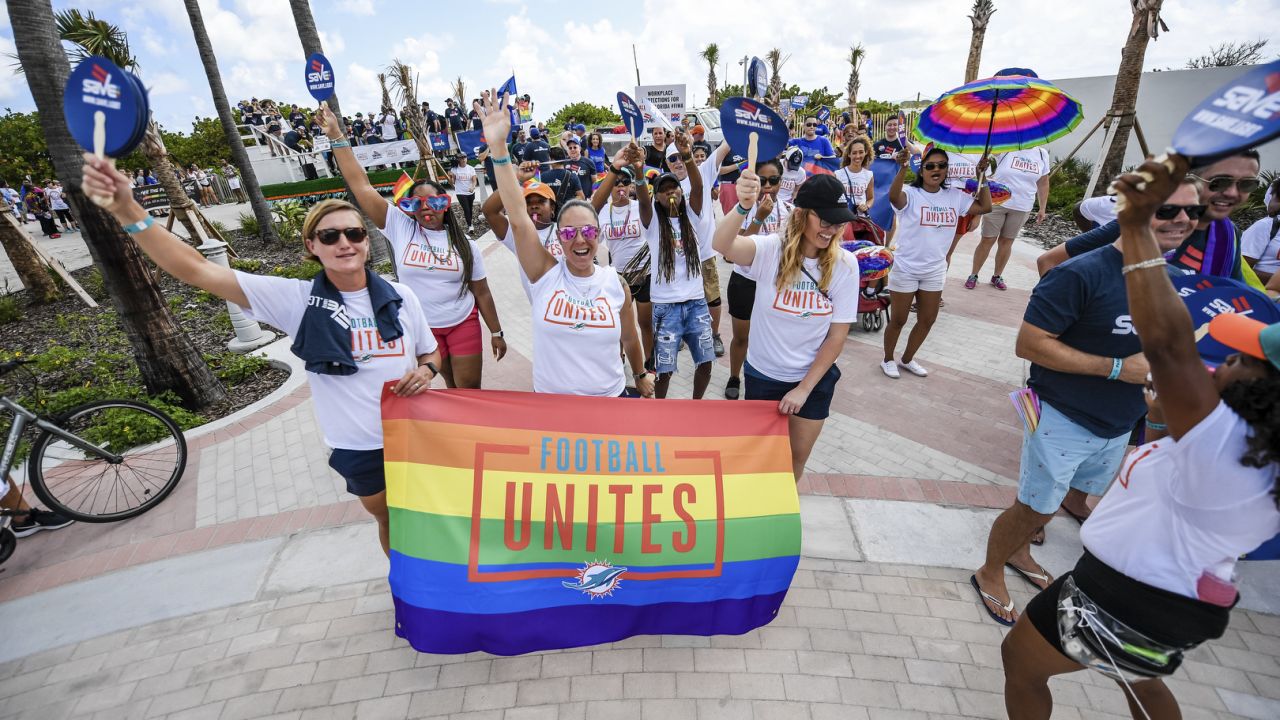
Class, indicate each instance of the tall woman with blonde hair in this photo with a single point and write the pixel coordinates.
(806, 297)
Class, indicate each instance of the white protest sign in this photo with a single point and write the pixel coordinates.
(668, 99)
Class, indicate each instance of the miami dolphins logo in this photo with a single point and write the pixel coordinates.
(364, 358)
(578, 326)
(597, 579)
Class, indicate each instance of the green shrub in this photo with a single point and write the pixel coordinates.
(249, 225)
(234, 368)
(221, 229)
(384, 268)
(10, 311)
(205, 297)
(246, 265)
(305, 270)
(288, 217)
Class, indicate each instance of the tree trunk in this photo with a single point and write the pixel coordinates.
(1125, 99)
(380, 251)
(165, 355)
(179, 203)
(248, 180)
(975, 52)
(31, 270)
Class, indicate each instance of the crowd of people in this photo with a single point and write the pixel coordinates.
(619, 258)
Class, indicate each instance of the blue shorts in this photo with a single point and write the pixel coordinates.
(362, 469)
(689, 321)
(816, 407)
(1060, 455)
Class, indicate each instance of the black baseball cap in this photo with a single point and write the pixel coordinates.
(824, 195)
(671, 177)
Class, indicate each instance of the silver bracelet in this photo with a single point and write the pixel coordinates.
(1153, 262)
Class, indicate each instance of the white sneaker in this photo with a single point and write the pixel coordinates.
(890, 368)
(915, 368)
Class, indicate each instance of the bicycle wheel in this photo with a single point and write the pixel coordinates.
(84, 486)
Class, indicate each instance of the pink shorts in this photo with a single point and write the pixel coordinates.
(728, 196)
(461, 339)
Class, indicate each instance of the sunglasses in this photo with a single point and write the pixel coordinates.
(1221, 183)
(329, 236)
(935, 166)
(437, 203)
(569, 234)
(770, 179)
(1169, 212)
(811, 124)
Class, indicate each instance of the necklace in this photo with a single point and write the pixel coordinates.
(426, 241)
(614, 234)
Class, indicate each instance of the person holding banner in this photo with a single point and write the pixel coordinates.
(806, 297)
(434, 257)
(769, 217)
(383, 336)
(1157, 576)
(581, 311)
(927, 214)
(679, 240)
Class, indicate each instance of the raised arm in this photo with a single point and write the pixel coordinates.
(168, 251)
(898, 196)
(685, 146)
(370, 202)
(727, 240)
(624, 157)
(533, 257)
(1187, 393)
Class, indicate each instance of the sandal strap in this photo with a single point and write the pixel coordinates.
(995, 601)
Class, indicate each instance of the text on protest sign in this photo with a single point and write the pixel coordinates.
(669, 99)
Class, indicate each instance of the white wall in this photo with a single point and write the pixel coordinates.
(1164, 98)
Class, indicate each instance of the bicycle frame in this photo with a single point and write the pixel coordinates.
(23, 417)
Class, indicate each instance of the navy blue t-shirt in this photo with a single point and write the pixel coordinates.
(562, 182)
(1100, 236)
(536, 150)
(1084, 303)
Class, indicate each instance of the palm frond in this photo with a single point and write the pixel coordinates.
(90, 35)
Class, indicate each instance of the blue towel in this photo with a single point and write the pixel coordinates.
(323, 339)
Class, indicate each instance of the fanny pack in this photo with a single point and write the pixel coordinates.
(1094, 638)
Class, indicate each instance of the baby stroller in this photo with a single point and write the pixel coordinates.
(873, 300)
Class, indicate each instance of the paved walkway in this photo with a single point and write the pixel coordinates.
(252, 592)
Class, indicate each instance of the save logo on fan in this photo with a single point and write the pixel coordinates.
(99, 90)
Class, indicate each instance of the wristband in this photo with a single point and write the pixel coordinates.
(1153, 262)
(756, 221)
(143, 224)
(741, 210)
(1117, 364)
(687, 157)
(334, 144)
(613, 169)
(1158, 427)
(500, 160)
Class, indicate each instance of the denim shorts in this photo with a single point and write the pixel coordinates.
(689, 321)
(1061, 455)
(362, 469)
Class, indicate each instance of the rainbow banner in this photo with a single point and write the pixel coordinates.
(524, 522)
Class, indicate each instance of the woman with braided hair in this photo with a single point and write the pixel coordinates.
(434, 257)
(678, 237)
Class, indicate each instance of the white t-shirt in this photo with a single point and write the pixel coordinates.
(348, 407)
(776, 221)
(1101, 209)
(549, 241)
(55, 199)
(464, 180)
(926, 227)
(621, 227)
(791, 180)
(1019, 171)
(1181, 509)
(389, 127)
(961, 167)
(709, 171)
(577, 328)
(682, 286)
(787, 327)
(855, 183)
(426, 262)
(1256, 242)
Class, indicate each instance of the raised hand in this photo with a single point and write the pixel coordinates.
(496, 121)
(102, 181)
(902, 157)
(748, 187)
(764, 207)
(683, 142)
(328, 123)
(1145, 189)
(527, 171)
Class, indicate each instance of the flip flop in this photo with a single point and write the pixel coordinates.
(1030, 576)
(1078, 518)
(985, 598)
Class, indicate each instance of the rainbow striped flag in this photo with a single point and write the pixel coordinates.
(595, 181)
(401, 187)
(524, 522)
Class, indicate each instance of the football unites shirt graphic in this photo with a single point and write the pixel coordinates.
(938, 216)
(422, 254)
(802, 299)
(579, 313)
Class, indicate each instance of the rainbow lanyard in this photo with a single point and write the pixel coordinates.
(613, 228)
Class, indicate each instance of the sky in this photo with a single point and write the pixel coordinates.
(564, 52)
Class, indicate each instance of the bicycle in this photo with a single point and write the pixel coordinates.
(103, 461)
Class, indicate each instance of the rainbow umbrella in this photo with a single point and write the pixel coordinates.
(999, 114)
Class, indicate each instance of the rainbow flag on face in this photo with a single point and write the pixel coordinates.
(401, 187)
(524, 522)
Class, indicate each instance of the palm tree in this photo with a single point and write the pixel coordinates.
(857, 54)
(711, 53)
(31, 269)
(310, 38)
(982, 12)
(1146, 25)
(89, 35)
(776, 61)
(266, 228)
(167, 360)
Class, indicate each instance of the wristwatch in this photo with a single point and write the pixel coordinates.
(497, 334)
(640, 375)
(430, 366)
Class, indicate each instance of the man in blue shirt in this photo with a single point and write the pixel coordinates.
(812, 145)
(1088, 370)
